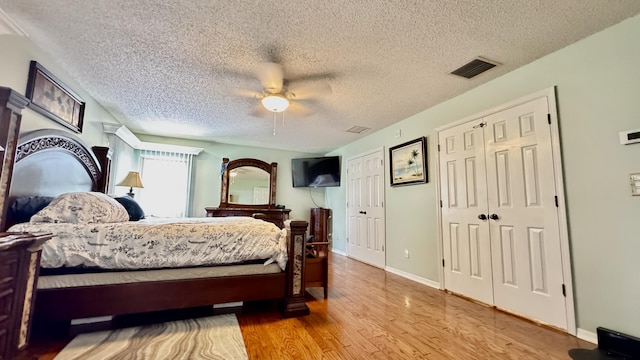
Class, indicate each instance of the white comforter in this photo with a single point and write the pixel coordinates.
(161, 243)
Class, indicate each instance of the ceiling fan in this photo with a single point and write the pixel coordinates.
(280, 94)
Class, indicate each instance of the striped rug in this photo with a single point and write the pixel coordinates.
(214, 337)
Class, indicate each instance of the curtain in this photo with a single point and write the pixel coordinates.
(167, 180)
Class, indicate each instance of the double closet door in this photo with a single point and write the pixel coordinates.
(500, 222)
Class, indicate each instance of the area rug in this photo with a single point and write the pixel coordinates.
(214, 337)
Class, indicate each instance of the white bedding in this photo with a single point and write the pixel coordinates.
(161, 243)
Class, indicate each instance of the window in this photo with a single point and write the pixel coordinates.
(166, 177)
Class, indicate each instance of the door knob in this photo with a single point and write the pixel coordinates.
(482, 217)
(494, 217)
(363, 212)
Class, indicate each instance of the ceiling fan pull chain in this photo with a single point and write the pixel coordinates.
(274, 124)
(283, 118)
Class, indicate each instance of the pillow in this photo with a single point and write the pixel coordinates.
(82, 208)
(23, 208)
(132, 207)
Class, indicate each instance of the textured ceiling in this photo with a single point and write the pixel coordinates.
(170, 68)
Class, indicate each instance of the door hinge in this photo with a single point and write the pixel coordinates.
(549, 118)
(564, 290)
(442, 262)
(556, 201)
(440, 203)
(438, 147)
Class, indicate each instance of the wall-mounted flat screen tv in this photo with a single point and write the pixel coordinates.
(316, 172)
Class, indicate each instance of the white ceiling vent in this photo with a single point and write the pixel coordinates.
(474, 67)
(357, 129)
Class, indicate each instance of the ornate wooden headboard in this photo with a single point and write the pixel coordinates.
(52, 162)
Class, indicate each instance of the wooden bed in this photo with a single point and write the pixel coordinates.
(50, 162)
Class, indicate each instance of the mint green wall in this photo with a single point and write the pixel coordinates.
(17, 53)
(598, 93)
(206, 190)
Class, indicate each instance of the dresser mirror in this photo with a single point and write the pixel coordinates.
(248, 182)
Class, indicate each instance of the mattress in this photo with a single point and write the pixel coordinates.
(126, 277)
(158, 243)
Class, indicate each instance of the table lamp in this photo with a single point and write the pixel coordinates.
(132, 180)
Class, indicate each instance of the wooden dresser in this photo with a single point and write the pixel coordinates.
(264, 209)
(317, 259)
(320, 224)
(19, 267)
(276, 216)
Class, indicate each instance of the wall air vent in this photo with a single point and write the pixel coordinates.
(630, 137)
(357, 129)
(474, 67)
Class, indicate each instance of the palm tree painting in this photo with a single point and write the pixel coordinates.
(408, 162)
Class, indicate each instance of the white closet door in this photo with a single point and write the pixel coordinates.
(465, 228)
(502, 165)
(525, 235)
(365, 207)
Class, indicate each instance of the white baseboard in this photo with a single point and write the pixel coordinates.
(421, 280)
(339, 252)
(587, 336)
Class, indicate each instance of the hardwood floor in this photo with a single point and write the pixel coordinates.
(372, 314)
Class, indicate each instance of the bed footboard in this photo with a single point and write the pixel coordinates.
(294, 303)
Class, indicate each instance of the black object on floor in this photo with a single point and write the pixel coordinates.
(586, 354)
(611, 345)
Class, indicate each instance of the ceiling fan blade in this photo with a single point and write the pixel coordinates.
(296, 108)
(271, 76)
(246, 93)
(309, 90)
(259, 111)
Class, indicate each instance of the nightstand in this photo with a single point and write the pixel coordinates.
(19, 267)
(316, 271)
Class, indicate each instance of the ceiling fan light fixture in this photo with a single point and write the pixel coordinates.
(275, 103)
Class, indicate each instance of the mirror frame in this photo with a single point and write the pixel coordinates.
(227, 166)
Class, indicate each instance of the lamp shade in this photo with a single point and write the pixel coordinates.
(132, 180)
(275, 103)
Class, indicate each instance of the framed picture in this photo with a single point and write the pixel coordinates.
(53, 99)
(408, 162)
